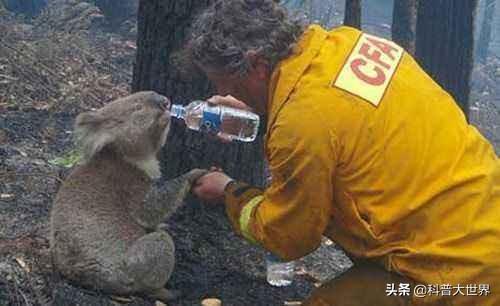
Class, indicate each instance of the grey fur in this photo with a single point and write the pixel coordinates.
(105, 221)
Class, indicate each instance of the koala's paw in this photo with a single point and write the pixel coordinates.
(162, 227)
(195, 174)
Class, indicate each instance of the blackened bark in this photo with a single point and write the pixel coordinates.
(352, 13)
(161, 31)
(445, 40)
(211, 259)
(29, 8)
(404, 24)
(485, 34)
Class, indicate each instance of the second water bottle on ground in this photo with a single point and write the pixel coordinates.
(279, 273)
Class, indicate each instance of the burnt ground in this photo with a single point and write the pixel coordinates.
(48, 74)
(211, 260)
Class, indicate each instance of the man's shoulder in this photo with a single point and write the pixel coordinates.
(302, 119)
(319, 104)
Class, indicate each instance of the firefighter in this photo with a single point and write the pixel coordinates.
(363, 148)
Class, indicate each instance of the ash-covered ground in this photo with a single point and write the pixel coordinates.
(46, 78)
(50, 70)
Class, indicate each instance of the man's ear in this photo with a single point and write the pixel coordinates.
(263, 69)
(258, 64)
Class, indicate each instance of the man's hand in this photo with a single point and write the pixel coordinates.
(228, 101)
(210, 187)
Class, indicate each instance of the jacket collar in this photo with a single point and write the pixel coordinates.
(287, 73)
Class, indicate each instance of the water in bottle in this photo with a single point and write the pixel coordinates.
(221, 120)
(279, 273)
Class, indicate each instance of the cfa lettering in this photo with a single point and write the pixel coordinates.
(369, 66)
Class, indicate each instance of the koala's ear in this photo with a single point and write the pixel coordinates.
(88, 119)
(90, 135)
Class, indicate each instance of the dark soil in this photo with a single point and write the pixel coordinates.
(36, 118)
(211, 260)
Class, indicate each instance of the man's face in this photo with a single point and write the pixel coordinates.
(251, 89)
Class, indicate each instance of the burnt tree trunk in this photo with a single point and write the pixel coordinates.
(404, 24)
(29, 8)
(211, 259)
(485, 33)
(185, 149)
(352, 13)
(445, 40)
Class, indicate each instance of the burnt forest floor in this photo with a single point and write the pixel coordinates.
(51, 69)
(48, 76)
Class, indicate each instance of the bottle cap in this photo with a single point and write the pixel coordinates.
(178, 111)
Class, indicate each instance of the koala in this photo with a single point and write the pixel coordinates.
(105, 223)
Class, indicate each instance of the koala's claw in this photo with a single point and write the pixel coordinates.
(195, 174)
(162, 227)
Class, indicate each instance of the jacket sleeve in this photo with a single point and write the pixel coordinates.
(289, 217)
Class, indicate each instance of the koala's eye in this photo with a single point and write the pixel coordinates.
(138, 107)
(161, 102)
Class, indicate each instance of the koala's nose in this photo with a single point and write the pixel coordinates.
(161, 101)
(166, 103)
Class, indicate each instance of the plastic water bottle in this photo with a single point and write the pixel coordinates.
(221, 120)
(279, 273)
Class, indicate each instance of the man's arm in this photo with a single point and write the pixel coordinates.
(289, 217)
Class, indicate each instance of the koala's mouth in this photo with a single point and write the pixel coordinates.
(166, 109)
(164, 104)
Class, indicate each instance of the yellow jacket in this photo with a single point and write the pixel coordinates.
(366, 149)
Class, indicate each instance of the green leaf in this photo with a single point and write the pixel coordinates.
(68, 160)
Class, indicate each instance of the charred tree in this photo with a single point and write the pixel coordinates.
(352, 13)
(185, 149)
(404, 24)
(210, 256)
(29, 8)
(485, 33)
(445, 41)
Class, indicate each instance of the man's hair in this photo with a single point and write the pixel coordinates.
(224, 33)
